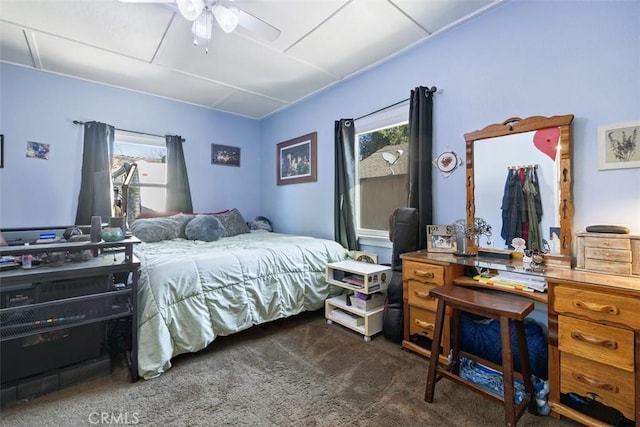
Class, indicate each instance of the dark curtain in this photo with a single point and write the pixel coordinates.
(345, 183)
(420, 181)
(178, 191)
(96, 188)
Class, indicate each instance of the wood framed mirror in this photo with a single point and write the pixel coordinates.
(539, 146)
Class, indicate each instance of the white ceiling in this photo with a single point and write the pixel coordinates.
(149, 47)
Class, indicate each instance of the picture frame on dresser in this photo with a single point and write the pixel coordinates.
(441, 238)
(617, 145)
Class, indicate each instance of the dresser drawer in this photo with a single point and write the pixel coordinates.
(421, 322)
(598, 306)
(616, 255)
(418, 295)
(426, 273)
(607, 266)
(613, 387)
(611, 243)
(605, 344)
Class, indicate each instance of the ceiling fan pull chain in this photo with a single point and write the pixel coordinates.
(209, 29)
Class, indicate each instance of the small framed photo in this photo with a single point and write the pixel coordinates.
(38, 150)
(225, 155)
(296, 160)
(441, 238)
(368, 257)
(619, 146)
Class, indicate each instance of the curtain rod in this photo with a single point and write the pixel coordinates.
(430, 91)
(78, 122)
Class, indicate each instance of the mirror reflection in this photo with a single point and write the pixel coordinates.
(528, 174)
(519, 182)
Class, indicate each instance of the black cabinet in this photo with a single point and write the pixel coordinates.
(78, 305)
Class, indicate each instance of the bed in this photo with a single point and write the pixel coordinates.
(191, 291)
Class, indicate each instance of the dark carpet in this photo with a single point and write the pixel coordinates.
(299, 371)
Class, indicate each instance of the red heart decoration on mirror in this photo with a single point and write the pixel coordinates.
(546, 140)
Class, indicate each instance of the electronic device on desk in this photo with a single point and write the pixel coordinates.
(48, 238)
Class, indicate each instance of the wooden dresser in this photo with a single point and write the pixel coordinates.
(593, 324)
(419, 275)
(594, 341)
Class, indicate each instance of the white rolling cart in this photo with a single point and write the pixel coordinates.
(361, 315)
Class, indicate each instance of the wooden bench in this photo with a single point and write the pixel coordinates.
(504, 309)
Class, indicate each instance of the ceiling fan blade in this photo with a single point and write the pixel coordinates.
(257, 26)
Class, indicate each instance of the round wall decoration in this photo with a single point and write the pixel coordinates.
(447, 162)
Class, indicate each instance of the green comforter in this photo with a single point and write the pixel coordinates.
(190, 291)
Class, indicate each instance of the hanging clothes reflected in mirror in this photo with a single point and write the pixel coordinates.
(521, 207)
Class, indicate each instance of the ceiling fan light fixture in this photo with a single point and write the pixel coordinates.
(202, 26)
(190, 9)
(227, 18)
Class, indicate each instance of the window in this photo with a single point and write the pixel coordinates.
(382, 144)
(146, 189)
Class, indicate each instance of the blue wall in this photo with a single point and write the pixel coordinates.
(521, 59)
(41, 107)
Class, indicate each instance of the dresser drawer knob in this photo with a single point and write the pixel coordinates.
(600, 308)
(425, 325)
(422, 273)
(591, 382)
(424, 295)
(611, 345)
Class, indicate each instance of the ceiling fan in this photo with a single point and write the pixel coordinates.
(203, 13)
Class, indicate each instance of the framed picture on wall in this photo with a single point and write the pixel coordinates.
(38, 150)
(619, 145)
(441, 238)
(296, 160)
(225, 155)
